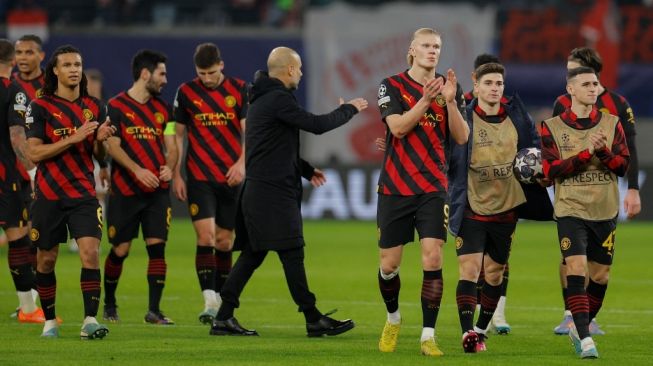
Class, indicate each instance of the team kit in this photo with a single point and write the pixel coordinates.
(467, 164)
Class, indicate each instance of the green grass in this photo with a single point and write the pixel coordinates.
(342, 260)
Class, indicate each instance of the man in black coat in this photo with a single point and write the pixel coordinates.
(269, 214)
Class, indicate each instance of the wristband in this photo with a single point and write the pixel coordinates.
(32, 173)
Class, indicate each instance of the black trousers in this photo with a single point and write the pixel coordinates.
(249, 261)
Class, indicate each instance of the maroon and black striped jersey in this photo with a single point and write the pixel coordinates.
(21, 93)
(616, 105)
(8, 172)
(212, 119)
(417, 163)
(140, 128)
(68, 175)
(615, 157)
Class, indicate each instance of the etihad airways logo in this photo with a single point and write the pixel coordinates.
(215, 119)
(431, 120)
(64, 131)
(143, 132)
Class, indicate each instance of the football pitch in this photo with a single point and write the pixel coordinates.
(341, 262)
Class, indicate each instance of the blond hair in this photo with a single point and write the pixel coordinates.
(419, 32)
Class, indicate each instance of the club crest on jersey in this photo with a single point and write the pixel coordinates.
(21, 98)
(160, 119)
(440, 100)
(230, 101)
(39, 93)
(88, 115)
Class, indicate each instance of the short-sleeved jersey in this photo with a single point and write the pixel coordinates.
(140, 128)
(68, 175)
(417, 163)
(616, 105)
(21, 93)
(8, 173)
(212, 119)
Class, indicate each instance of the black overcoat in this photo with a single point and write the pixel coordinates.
(269, 204)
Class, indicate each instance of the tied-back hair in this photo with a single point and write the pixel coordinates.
(578, 71)
(206, 55)
(419, 32)
(587, 57)
(52, 81)
(489, 68)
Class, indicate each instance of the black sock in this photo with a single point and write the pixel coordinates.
(564, 298)
(46, 285)
(578, 304)
(90, 283)
(595, 296)
(156, 274)
(489, 299)
(205, 267)
(390, 291)
(504, 284)
(466, 300)
(20, 264)
(223, 261)
(312, 314)
(431, 297)
(479, 284)
(112, 272)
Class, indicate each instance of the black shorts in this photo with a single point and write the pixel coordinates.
(151, 211)
(53, 220)
(398, 217)
(595, 239)
(210, 199)
(13, 212)
(491, 238)
(26, 193)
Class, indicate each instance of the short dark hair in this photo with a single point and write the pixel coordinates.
(146, 59)
(32, 38)
(51, 81)
(578, 71)
(485, 58)
(489, 68)
(7, 51)
(206, 55)
(587, 57)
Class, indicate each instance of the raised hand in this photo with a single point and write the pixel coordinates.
(359, 103)
(450, 87)
(432, 88)
(105, 130)
(83, 131)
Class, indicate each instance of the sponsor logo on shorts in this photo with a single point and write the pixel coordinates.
(459, 242)
(194, 209)
(34, 234)
(565, 243)
(112, 232)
